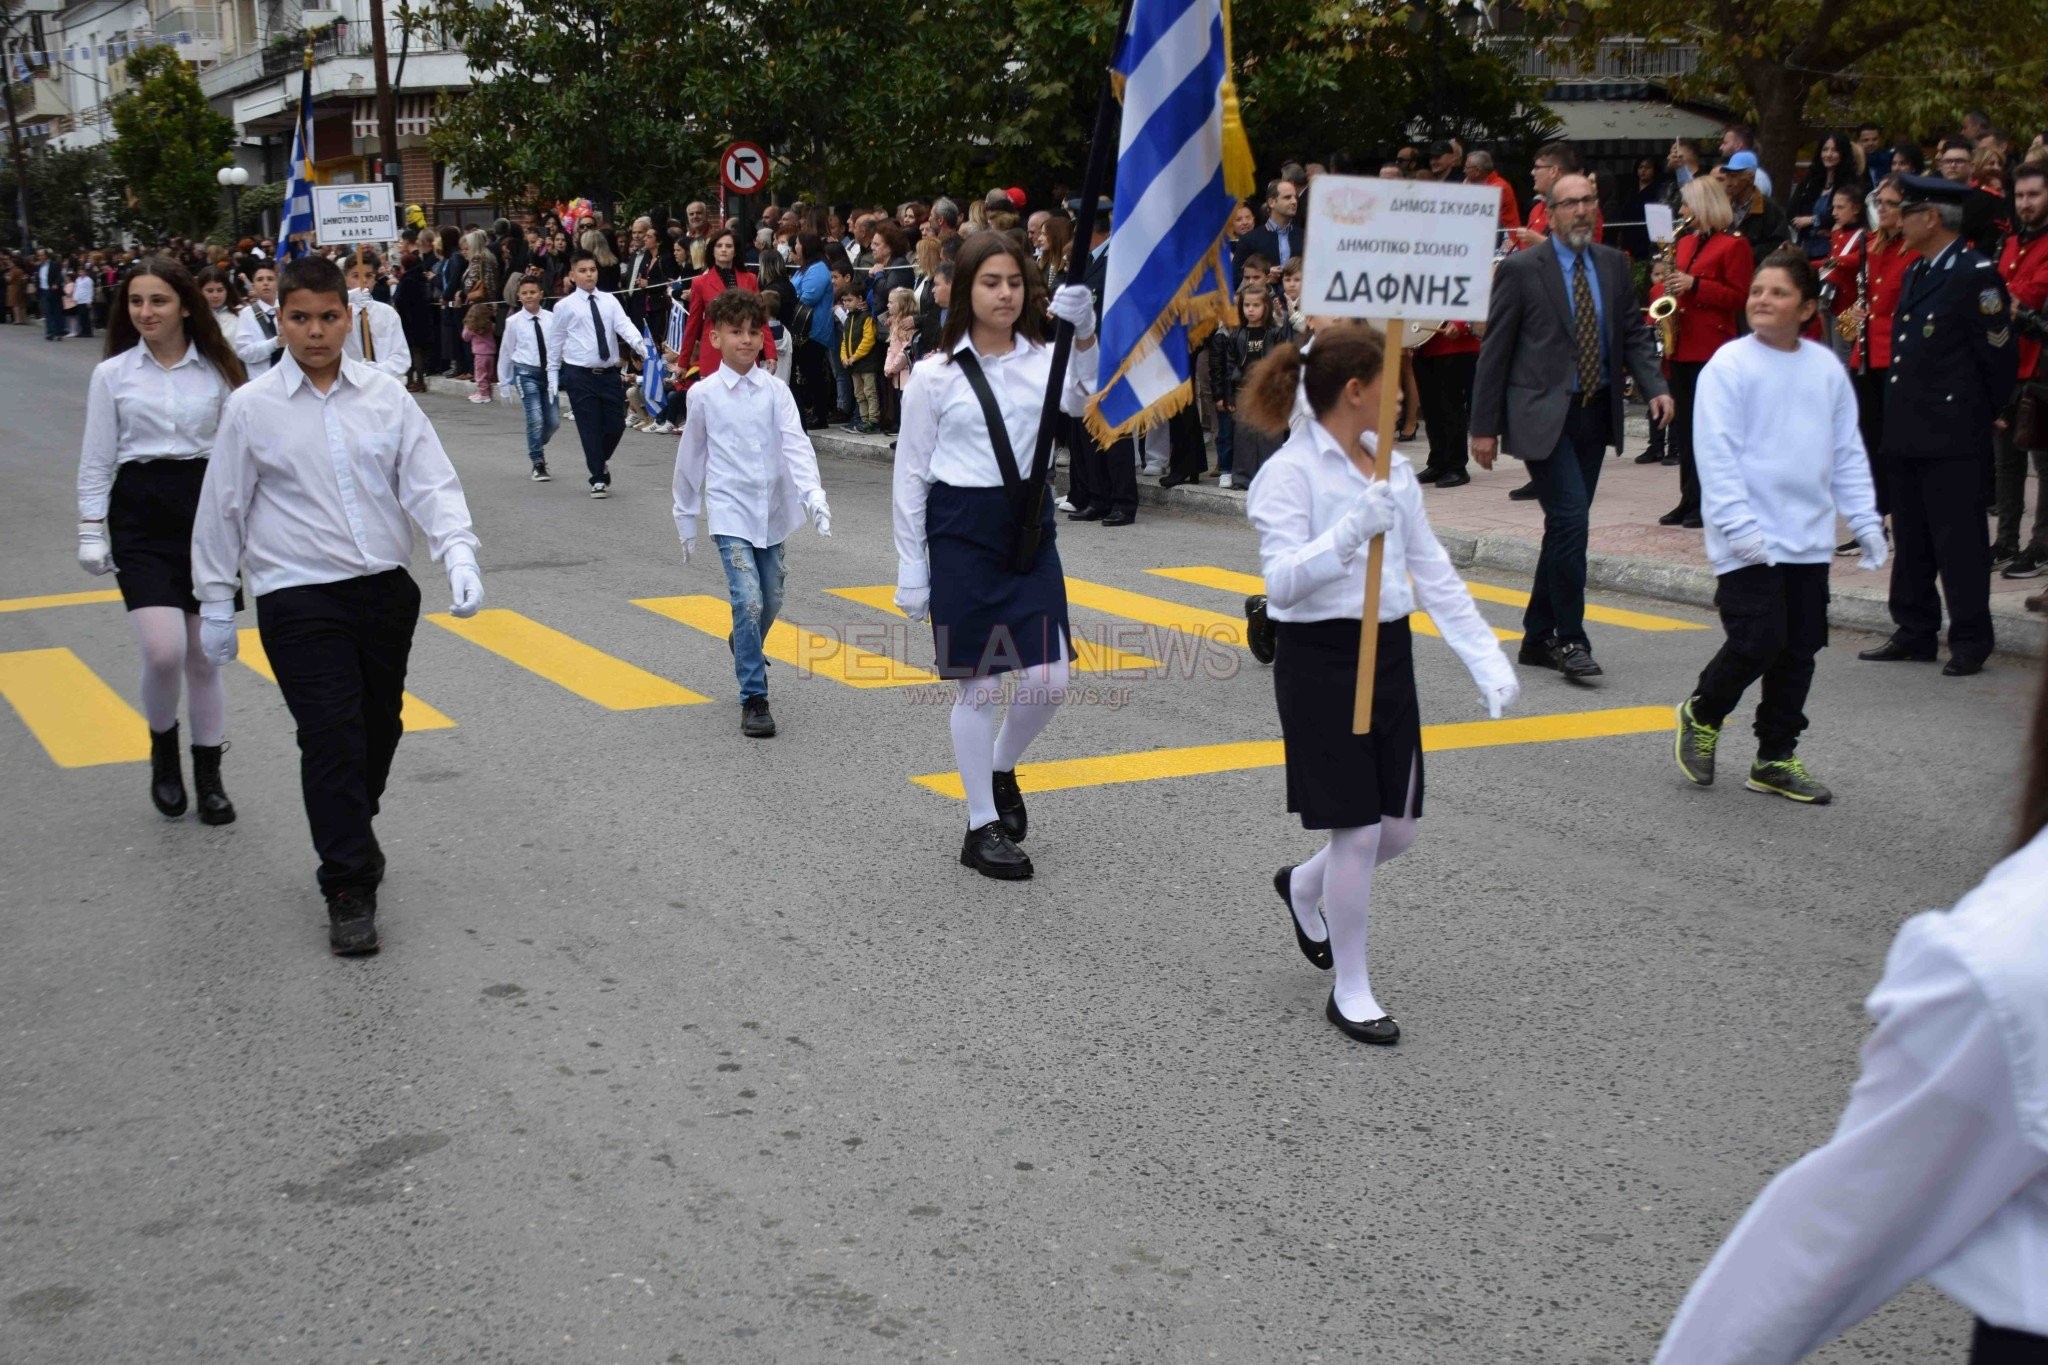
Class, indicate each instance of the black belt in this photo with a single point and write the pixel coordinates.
(2006, 1346)
(591, 369)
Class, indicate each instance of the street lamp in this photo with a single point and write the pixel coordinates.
(231, 179)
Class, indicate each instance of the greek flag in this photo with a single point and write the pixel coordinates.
(651, 376)
(678, 320)
(1181, 162)
(298, 198)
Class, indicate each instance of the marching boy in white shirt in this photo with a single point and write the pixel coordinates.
(745, 464)
(315, 469)
(377, 336)
(256, 340)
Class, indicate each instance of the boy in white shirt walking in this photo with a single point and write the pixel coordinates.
(1779, 451)
(256, 340)
(746, 466)
(377, 334)
(594, 335)
(524, 371)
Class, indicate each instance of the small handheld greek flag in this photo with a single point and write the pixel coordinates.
(295, 233)
(651, 375)
(678, 320)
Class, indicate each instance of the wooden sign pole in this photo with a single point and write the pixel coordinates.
(1383, 455)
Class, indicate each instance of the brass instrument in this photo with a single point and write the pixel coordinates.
(1664, 311)
(1848, 326)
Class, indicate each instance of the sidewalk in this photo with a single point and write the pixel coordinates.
(1628, 550)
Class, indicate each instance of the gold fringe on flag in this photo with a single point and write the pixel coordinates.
(1240, 172)
(1203, 302)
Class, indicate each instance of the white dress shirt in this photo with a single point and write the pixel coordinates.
(744, 462)
(944, 436)
(1939, 1165)
(520, 346)
(387, 335)
(578, 337)
(306, 487)
(136, 409)
(258, 349)
(81, 287)
(1300, 494)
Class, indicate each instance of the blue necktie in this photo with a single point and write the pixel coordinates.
(604, 350)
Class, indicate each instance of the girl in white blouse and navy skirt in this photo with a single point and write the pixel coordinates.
(958, 505)
(149, 424)
(1317, 506)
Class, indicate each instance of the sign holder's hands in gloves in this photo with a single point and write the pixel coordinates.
(819, 511)
(1372, 515)
(465, 584)
(95, 555)
(1074, 304)
(219, 641)
(916, 603)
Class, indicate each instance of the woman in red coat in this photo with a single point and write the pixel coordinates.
(722, 252)
(1709, 276)
(1870, 360)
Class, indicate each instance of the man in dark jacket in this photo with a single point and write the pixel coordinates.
(1758, 219)
(1278, 239)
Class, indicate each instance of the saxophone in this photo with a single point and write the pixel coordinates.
(1664, 311)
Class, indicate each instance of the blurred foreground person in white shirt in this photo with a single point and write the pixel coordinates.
(315, 470)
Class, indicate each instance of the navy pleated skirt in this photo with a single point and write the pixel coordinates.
(149, 528)
(1335, 779)
(985, 619)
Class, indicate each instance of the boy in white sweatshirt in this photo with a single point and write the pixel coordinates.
(1779, 453)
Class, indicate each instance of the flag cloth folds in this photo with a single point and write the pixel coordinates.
(651, 376)
(298, 196)
(1168, 284)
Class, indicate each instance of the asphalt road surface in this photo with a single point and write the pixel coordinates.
(689, 1048)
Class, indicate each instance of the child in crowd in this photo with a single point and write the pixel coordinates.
(1290, 301)
(1254, 271)
(778, 335)
(1780, 454)
(752, 491)
(902, 337)
(861, 358)
(1240, 450)
(477, 326)
(376, 335)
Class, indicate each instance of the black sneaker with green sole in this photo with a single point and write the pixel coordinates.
(1695, 746)
(1787, 777)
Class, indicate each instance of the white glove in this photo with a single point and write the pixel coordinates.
(1875, 551)
(1075, 303)
(95, 556)
(1372, 515)
(508, 391)
(553, 388)
(219, 641)
(820, 510)
(689, 547)
(1498, 697)
(465, 584)
(916, 603)
(1748, 548)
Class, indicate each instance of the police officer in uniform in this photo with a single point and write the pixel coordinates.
(1954, 363)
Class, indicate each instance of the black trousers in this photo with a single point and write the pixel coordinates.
(1186, 455)
(598, 401)
(339, 651)
(1938, 531)
(2003, 1346)
(1112, 474)
(1870, 421)
(1445, 382)
(1565, 484)
(453, 348)
(1685, 387)
(814, 385)
(1776, 616)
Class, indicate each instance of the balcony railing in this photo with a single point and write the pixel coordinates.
(201, 21)
(1617, 59)
(286, 50)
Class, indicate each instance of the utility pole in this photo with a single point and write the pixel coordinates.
(387, 118)
(14, 128)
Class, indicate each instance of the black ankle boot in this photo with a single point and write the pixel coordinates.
(214, 806)
(166, 775)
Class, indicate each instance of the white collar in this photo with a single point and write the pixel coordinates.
(1326, 445)
(1018, 347)
(144, 356)
(352, 372)
(753, 378)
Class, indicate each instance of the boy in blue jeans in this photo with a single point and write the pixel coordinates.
(745, 465)
(523, 371)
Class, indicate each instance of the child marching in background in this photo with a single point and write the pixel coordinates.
(1779, 452)
(376, 335)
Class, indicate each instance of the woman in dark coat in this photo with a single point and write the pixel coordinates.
(415, 307)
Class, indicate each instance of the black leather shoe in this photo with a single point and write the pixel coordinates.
(1575, 661)
(1526, 493)
(1692, 522)
(1318, 954)
(1672, 518)
(1176, 480)
(1010, 807)
(1381, 1031)
(755, 720)
(1120, 519)
(1535, 653)
(352, 922)
(1651, 456)
(1892, 652)
(989, 851)
(1457, 478)
(1258, 629)
(166, 775)
(1088, 514)
(1428, 475)
(214, 806)
(1962, 668)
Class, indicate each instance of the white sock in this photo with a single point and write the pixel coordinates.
(1347, 907)
(974, 744)
(206, 695)
(160, 634)
(1040, 692)
(1305, 892)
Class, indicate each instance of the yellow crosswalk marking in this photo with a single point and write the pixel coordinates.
(806, 650)
(1090, 657)
(1152, 765)
(566, 661)
(79, 720)
(1228, 580)
(413, 714)
(1157, 611)
(1606, 616)
(59, 599)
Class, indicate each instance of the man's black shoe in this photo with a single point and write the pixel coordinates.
(1429, 474)
(1258, 629)
(1535, 653)
(2031, 562)
(1672, 518)
(1962, 668)
(1010, 807)
(1691, 521)
(1892, 652)
(990, 852)
(1089, 513)
(1120, 519)
(1456, 478)
(352, 922)
(755, 721)
(1575, 660)
(1651, 456)
(1526, 493)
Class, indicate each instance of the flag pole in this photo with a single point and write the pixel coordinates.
(1382, 465)
(1100, 145)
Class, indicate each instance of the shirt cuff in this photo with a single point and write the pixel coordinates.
(913, 574)
(219, 608)
(458, 553)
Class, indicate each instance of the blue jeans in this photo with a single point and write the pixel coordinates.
(1565, 484)
(543, 412)
(1226, 441)
(842, 382)
(753, 580)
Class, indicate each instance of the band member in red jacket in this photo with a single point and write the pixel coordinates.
(1709, 276)
(2024, 263)
(1870, 359)
(1444, 366)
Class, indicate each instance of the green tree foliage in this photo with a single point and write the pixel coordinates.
(68, 194)
(168, 144)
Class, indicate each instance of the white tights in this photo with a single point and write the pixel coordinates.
(1340, 877)
(169, 640)
(985, 744)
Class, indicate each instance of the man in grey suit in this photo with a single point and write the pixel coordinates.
(1561, 327)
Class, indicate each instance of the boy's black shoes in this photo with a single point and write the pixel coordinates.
(1010, 812)
(540, 473)
(1455, 478)
(755, 721)
(1534, 653)
(1526, 493)
(1258, 629)
(1891, 652)
(352, 922)
(990, 852)
(1695, 746)
(1093, 512)
(1787, 777)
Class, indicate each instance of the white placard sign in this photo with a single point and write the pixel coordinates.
(1658, 223)
(1399, 249)
(347, 215)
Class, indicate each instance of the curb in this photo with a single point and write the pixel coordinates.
(2021, 633)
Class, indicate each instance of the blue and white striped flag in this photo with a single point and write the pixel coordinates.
(651, 376)
(1169, 278)
(678, 321)
(298, 196)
